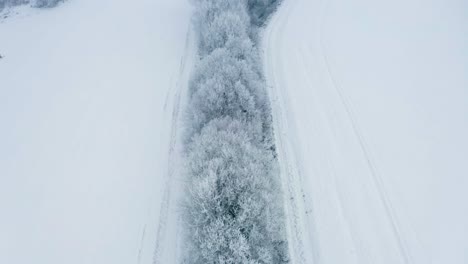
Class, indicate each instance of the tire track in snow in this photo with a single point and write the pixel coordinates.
(289, 160)
(169, 199)
(295, 199)
(305, 58)
(140, 249)
(378, 181)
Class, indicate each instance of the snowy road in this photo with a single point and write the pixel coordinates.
(168, 239)
(344, 203)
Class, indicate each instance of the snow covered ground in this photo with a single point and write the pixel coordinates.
(371, 117)
(87, 98)
(370, 102)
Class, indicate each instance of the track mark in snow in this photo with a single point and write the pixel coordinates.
(378, 181)
(297, 204)
(169, 198)
(368, 158)
(338, 115)
(141, 244)
(338, 198)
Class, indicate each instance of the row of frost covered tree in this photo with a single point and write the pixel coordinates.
(233, 209)
(34, 3)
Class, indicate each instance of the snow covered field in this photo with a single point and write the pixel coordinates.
(370, 103)
(87, 98)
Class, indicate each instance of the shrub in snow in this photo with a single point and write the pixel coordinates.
(47, 3)
(8, 3)
(233, 211)
(34, 3)
(260, 10)
(223, 87)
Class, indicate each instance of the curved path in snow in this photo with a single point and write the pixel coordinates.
(340, 205)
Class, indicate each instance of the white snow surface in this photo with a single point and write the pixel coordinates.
(371, 121)
(87, 98)
(370, 102)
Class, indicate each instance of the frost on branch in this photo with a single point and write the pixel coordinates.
(233, 209)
